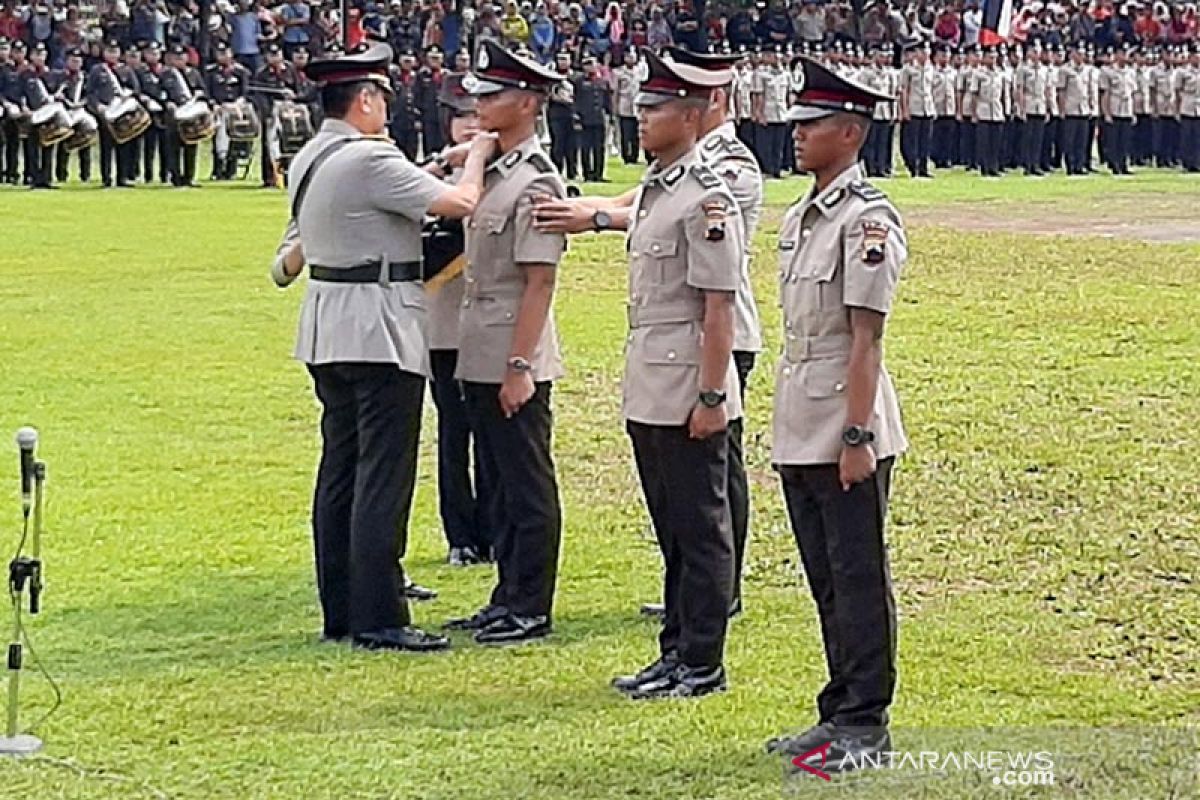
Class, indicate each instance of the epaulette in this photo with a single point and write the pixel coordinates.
(540, 162)
(866, 191)
(704, 173)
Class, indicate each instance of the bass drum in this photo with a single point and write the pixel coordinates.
(51, 124)
(293, 124)
(127, 119)
(195, 121)
(240, 120)
(84, 130)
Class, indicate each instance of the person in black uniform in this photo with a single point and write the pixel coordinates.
(180, 84)
(37, 90)
(591, 110)
(154, 140)
(307, 91)
(560, 118)
(403, 125)
(107, 81)
(226, 81)
(12, 62)
(429, 86)
(132, 59)
(71, 90)
(274, 80)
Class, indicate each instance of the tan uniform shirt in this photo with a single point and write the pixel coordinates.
(365, 203)
(962, 85)
(501, 240)
(1118, 85)
(743, 107)
(625, 88)
(1092, 74)
(885, 80)
(735, 164)
(1053, 73)
(1143, 99)
(685, 237)
(1165, 99)
(1032, 80)
(1073, 89)
(988, 90)
(840, 249)
(916, 85)
(1187, 87)
(945, 95)
(774, 84)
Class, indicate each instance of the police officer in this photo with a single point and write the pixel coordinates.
(1052, 139)
(465, 505)
(71, 90)
(274, 80)
(428, 89)
(1165, 102)
(1031, 87)
(1073, 101)
(772, 84)
(37, 90)
(686, 248)
(1189, 111)
(226, 81)
(944, 136)
(592, 105)
(155, 142)
(180, 84)
(885, 79)
(405, 123)
(1117, 88)
(106, 82)
(508, 357)
(743, 99)
(988, 102)
(837, 420)
(967, 132)
(357, 206)
(12, 63)
(560, 118)
(625, 84)
(132, 59)
(917, 111)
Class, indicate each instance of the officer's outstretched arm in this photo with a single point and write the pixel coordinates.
(578, 216)
(459, 200)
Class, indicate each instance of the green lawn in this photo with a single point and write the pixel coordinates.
(1044, 525)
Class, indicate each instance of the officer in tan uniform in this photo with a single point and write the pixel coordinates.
(987, 103)
(625, 82)
(1118, 84)
(837, 429)
(1188, 96)
(686, 256)
(508, 357)
(357, 204)
(917, 111)
(1029, 104)
(944, 138)
(1072, 91)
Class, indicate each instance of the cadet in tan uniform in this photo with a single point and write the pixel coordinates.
(357, 205)
(720, 148)
(916, 111)
(508, 355)
(1164, 104)
(1188, 93)
(625, 82)
(686, 251)
(944, 138)
(1117, 88)
(1073, 102)
(837, 420)
(1029, 104)
(769, 91)
(987, 103)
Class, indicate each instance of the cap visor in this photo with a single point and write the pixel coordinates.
(807, 114)
(482, 87)
(653, 98)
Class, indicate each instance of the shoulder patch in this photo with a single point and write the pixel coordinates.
(705, 175)
(540, 162)
(866, 191)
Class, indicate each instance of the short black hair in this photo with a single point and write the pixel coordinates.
(337, 97)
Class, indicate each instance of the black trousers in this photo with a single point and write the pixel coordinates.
(39, 163)
(62, 163)
(10, 154)
(629, 139)
(841, 542)
(772, 138)
(155, 143)
(1142, 142)
(465, 504)
(738, 486)
(114, 158)
(1116, 144)
(746, 131)
(1033, 131)
(685, 484)
(266, 165)
(967, 148)
(914, 141)
(1052, 145)
(370, 428)
(1010, 143)
(591, 152)
(1087, 144)
(943, 142)
(564, 150)
(987, 146)
(519, 466)
(1075, 131)
(1166, 141)
(1189, 143)
(181, 159)
(876, 153)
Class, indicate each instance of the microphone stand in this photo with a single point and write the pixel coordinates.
(22, 570)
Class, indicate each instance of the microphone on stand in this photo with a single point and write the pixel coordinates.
(27, 440)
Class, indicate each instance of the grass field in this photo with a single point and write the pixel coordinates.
(1044, 525)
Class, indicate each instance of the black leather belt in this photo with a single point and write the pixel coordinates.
(367, 272)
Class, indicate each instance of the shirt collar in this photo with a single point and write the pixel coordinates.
(827, 201)
(340, 128)
(507, 162)
(671, 177)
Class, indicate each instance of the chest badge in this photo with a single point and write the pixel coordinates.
(874, 245)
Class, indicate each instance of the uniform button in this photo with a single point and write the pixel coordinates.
(508, 315)
(804, 234)
(466, 303)
(471, 224)
(654, 248)
(670, 355)
(839, 386)
(642, 213)
(633, 298)
(470, 279)
(787, 372)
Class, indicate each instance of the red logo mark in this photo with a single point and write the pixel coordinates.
(802, 759)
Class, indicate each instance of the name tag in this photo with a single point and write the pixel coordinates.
(787, 244)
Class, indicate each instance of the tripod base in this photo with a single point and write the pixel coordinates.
(20, 745)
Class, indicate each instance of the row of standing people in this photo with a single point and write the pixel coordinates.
(357, 207)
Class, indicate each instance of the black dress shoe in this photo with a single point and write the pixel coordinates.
(407, 638)
(851, 749)
(414, 591)
(479, 620)
(656, 610)
(804, 742)
(683, 682)
(463, 557)
(663, 666)
(514, 629)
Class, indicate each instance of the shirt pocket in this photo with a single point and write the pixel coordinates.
(824, 379)
(677, 345)
(655, 256)
(498, 313)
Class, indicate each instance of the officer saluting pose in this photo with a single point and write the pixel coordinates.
(837, 424)
(686, 248)
(357, 207)
(508, 356)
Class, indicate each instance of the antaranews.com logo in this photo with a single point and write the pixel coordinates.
(1008, 768)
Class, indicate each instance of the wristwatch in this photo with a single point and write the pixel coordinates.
(857, 436)
(439, 161)
(601, 220)
(519, 364)
(711, 398)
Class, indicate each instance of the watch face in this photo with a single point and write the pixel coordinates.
(602, 219)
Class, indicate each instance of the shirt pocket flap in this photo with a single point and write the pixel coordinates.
(662, 248)
(491, 223)
(497, 312)
(667, 348)
(825, 379)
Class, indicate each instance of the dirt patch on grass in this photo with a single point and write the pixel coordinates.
(1164, 219)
